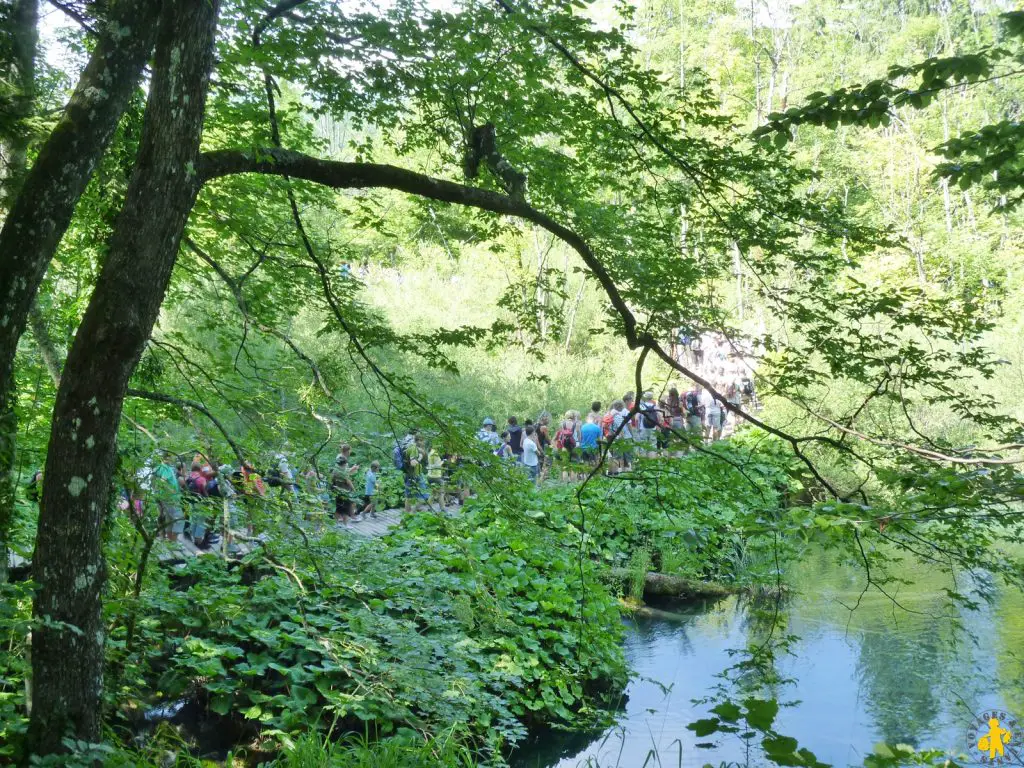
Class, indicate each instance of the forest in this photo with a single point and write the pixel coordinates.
(491, 383)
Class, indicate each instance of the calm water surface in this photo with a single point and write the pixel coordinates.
(860, 677)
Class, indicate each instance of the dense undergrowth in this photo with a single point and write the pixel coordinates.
(467, 631)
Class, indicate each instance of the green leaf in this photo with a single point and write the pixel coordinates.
(221, 704)
(728, 711)
(704, 727)
(761, 713)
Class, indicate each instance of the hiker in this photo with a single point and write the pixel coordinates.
(675, 409)
(626, 435)
(515, 438)
(252, 480)
(663, 434)
(532, 455)
(504, 450)
(543, 436)
(650, 420)
(226, 491)
(435, 476)
(590, 433)
(735, 398)
(577, 424)
(166, 487)
(342, 488)
(345, 451)
(253, 489)
(195, 484)
(712, 416)
(488, 434)
(749, 392)
(370, 490)
(281, 476)
(34, 487)
(694, 413)
(413, 458)
(208, 537)
(565, 443)
(454, 481)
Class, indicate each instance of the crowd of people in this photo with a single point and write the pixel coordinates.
(673, 422)
(206, 502)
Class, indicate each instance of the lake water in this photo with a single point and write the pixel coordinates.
(878, 673)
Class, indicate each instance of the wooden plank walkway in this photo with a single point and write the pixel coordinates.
(175, 553)
(368, 527)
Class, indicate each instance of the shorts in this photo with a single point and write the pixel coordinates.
(412, 482)
(716, 419)
(343, 506)
(589, 455)
(694, 423)
(534, 471)
(172, 516)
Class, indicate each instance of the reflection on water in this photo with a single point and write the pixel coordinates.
(878, 673)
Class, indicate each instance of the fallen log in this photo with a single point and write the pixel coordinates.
(646, 612)
(666, 585)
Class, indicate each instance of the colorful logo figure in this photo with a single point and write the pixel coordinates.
(993, 742)
(994, 739)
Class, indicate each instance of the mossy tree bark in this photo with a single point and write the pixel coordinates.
(21, 17)
(39, 213)
(67, 649)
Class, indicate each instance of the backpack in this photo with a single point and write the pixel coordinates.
(564, 440)
(398, 455)
(649, 415)
(606, 423)
(274, 477)
(193, 485)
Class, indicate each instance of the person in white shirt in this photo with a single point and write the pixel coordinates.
(713, 413)
(531, 454)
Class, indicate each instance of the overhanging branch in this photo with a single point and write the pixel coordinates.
(172, 400)
(342, 175)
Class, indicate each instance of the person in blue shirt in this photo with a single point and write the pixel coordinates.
(370, 491)
(590, 433)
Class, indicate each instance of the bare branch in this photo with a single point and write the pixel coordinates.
(172, 400)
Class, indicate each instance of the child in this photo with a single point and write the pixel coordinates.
(369, 507)
(504, 451)
(532, 456)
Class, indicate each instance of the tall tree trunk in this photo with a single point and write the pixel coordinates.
(41, 210)
(22, 18)
(67, 651)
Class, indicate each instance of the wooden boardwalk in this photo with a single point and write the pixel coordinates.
(368, 527)
(175, 553)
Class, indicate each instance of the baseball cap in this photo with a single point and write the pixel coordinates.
(488, 422)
